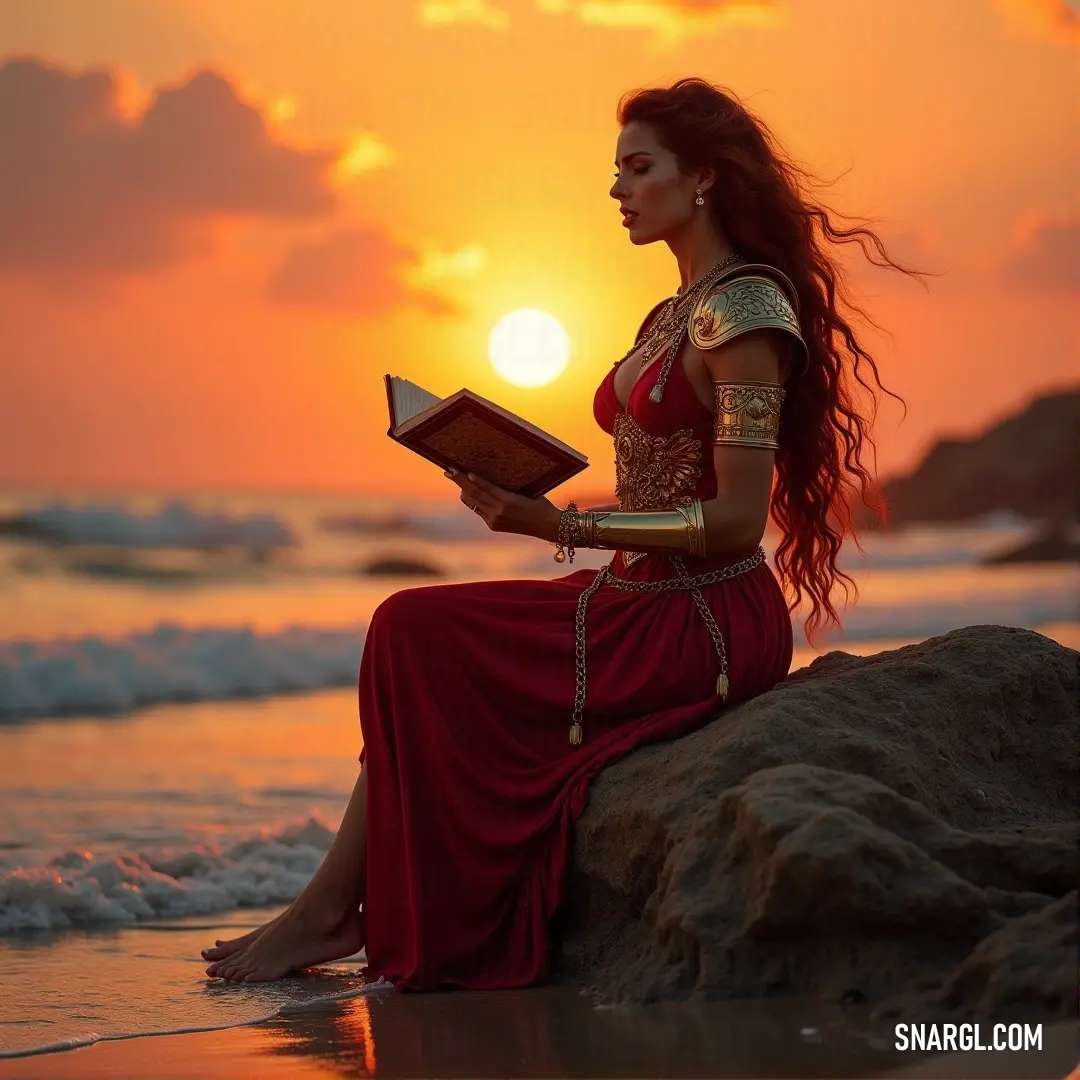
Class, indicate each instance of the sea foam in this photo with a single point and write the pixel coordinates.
(77, 889)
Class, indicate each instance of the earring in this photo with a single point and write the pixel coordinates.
(699, 201)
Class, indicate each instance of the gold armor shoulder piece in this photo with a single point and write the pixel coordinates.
(752, 301)
(748, 414)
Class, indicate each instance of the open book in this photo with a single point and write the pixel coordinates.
(470, 433)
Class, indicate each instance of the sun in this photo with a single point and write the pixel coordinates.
(529, 347)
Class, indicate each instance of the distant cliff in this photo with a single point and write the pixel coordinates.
(1029, 464)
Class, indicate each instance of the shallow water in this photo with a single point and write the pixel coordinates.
(141, 980)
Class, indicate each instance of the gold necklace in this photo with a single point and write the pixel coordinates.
(669, 319)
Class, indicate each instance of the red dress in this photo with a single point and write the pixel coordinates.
(466, 693)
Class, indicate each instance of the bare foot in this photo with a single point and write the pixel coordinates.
(221, 949)
(294, 940)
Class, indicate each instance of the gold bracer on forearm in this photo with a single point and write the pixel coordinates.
(677, 532)
(748, 414)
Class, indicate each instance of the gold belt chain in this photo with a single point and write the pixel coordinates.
(683, 581)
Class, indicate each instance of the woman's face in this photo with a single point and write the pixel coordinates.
(648, 183)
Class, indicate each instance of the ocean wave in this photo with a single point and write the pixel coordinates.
(94, 676)
(78, 889)
(450, 525)
(175, 525)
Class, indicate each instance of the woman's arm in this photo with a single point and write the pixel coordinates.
(504, 511)
(736, 519)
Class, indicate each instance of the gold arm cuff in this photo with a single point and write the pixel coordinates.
(748, 414)
(679, 532)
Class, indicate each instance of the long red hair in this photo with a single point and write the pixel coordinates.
(762, 208)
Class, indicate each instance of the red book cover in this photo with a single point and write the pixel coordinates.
(467, 432)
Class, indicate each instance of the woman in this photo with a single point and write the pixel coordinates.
(488, 707)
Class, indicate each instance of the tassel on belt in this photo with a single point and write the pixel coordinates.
(683, 581)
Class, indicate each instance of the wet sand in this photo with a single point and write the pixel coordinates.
(546, 1032)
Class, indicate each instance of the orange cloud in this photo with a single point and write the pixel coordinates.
(671, 19)
(449, 12)
(362, 154)
(1053, 20)
(354, 272)
(1045, 256)
(88, 182)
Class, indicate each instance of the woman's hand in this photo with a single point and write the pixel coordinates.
(503, 511)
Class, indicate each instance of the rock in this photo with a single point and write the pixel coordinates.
(1030, 961)
(884, 828)
(365, 525)
(1053, 544)
(22, 529)
(1027, 464)
(124, 570)
(401, 568)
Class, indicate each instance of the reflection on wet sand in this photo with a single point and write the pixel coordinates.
(546, 1032)
(556, 1032)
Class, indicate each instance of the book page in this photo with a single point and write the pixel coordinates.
(409, 399)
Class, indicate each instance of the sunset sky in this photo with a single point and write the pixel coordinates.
(221, 221)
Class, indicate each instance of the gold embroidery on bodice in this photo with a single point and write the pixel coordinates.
(653, 472)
